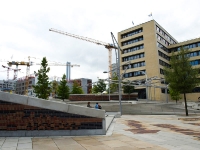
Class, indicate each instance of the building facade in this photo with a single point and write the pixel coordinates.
(148, 47)
(86, 84)
(21, 82)
(7, 85)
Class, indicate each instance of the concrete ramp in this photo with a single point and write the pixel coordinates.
(30, 116)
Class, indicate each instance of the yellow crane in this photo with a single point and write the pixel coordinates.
(28, 64)
(107, 45)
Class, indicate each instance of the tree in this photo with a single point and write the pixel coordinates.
(99, 87)
(63, 89)
(128, 89)
(76, 89)
(42, 88)
(181, 76)
(54, 87)
(175, 95)
(114, 86)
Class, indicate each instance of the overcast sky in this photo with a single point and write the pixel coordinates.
(24, 30)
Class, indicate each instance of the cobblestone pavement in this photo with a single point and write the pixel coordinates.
(130, 132)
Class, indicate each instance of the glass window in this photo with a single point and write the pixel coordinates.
(198, 44)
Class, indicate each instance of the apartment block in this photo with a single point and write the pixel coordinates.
(148, 47)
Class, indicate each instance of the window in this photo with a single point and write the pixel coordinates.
(132, 41)
(195, 62)
(162, 63)
(131, 33)
(133, 74)
(167, 36)
(163, 55)
(133, 49)
(137, 56)
(161, 71)
(163, 47)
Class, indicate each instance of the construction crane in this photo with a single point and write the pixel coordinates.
(10, 69)
(28, 64)
(107, 45)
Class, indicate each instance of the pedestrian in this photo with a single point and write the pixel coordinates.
(99, 106)
(96, 106)
(88, 105)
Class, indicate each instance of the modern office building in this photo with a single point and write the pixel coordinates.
(148, 46)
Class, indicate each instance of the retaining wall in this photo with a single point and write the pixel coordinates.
(104, 97)
(27, 116)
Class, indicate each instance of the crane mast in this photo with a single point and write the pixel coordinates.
(107, 45)
(9, 69)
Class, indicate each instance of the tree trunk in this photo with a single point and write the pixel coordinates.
(129, 96)
(186, 110)
(176, 101)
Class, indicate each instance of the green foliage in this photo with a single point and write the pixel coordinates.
(54, 87)
(99, 87)
(174, 95)
(181, 76)
(76, 89)
(114, 86)
(42, 88)
(128, 89)
(63, 89)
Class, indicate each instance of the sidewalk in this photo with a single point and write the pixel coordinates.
(130, 132)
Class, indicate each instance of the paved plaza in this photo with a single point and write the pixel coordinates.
(134, 132)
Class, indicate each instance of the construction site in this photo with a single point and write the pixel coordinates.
(24, 85)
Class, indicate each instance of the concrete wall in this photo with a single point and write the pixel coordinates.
(104, 97)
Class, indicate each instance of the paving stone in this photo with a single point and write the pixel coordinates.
(64, 141)
(9, 144)
(24, 146)
(114, 143)
(72, 147)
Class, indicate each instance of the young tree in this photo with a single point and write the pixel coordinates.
(114, 86)
(99, 87)
(42, 88)
(76, 89)
(181, 76)
(174, 95)
(128, 89)
(54, 87)
(63, 89)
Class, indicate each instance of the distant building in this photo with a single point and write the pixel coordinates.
(86, 84)
(7, 85)
(20, 84)
(114, 69)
